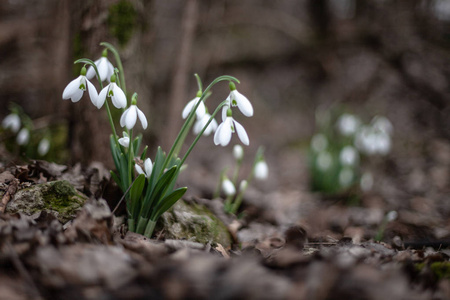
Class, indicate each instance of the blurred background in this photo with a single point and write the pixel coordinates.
(301, 63)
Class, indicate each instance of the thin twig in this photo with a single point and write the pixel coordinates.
(12, 188)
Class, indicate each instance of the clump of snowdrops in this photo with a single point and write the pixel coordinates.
(340, 145)
(234, 195)
(21, 136)
(149, 186)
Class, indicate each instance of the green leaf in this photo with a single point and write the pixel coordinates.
(136, 144)
(135, 195)
(167, 203)
(159, 161)
(160, 189)
(144, 153)
(116, 179)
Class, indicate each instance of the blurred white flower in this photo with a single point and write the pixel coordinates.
(43, 147)
(237, 99)
(130, 116)
(346, 176)
(201, 109)
(11, 121)
(201, 122)
(23, 137)
(372, 141)
(238, 152)
(228, 187)
(349, 156)
(382, 124)
(148, 166)
(261, 170)
(366, 182)
(324, 160)
(243, 185)
(319, 142)
(348, 124)
(391, 216)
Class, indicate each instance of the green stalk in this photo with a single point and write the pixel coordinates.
(149, 229)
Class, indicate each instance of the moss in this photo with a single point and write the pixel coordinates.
(441, 269)
(122, 21)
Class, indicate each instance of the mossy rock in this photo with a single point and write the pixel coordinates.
(58, 198)
(195, 223)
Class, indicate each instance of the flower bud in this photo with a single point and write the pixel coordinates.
(238, 152)
(261, 170)
(23, 136)
(228, 187)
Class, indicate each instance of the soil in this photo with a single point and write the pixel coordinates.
(289, 243)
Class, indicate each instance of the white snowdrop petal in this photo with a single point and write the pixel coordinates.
(92, 93)
(187, 109)
(225, 133)
(243, 104)
(217, 134)
(228, 187)
(142, 118)
(139, 169)
(224, 112)
(12, 121)
(102, 96)
(238, 151)
(261, 170)
(23, 136)
(123, 117)
(201, 110)
(71, 88)
(90, 71)
(103, 69)
(77, 95)
(148, 167)
(242, 134)
(131, 117)
(124, 141)
(119, 99)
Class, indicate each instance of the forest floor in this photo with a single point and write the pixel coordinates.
(289, 244)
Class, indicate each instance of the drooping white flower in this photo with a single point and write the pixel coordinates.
(124, 141)
(261, 170)
(366, 182)
(324, 160)
(201, 109)
(226, 128)
(319, 142)
(75, 89)
(11, 121)
(104, 67)
(348, 156)
(346, 176)
(391, 216)
(113, 91)
(43, 147)
(201, 122)
(130, 116)
(228, 187)
(23, 136)
(348, 124)
(382, 124)
(148, 166)
(238, 152)
(370, 141)
(237, 99)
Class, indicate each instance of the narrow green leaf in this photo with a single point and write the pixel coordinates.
(144, 153)
(167, 203)
(135, 195)
(159, 161)
(116, 179)
(137, 144)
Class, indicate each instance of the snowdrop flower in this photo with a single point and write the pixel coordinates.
(391, 216)
(124, 141)
(201, 109)
(319, 142)
(11, 121)
(324, 160)
(237, 99)
(372, 141)
(346, 177)
(228, 187)
(382, 124)
(261, 170)
(238, 152)
(201, 122)
(43, 147)
(348, 124)
(243, 185)
(366, 182)
(75, 89)
(23, 136)
(148, 166)
(104, 67)
(226, 128)
(348, 156)
(113, 91)
(129, 116)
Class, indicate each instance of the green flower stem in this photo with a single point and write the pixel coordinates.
(142, 225)
(130, 158)
(201, 132)
(219, 186)
(190, 117)
(131, 225)
(228, 203)
(236, 171)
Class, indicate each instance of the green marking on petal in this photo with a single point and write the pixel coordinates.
(234, 103)
(82, 87)
(110, 93)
